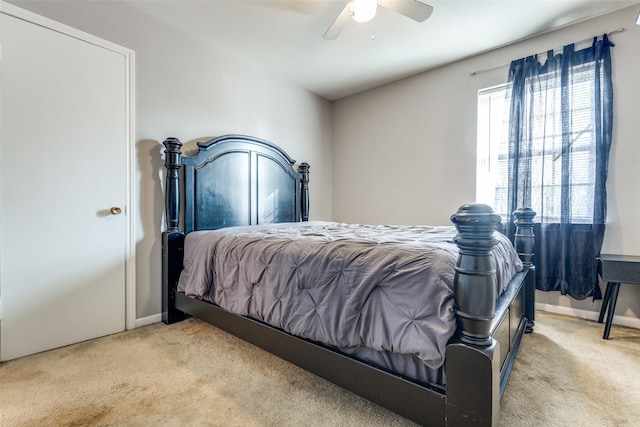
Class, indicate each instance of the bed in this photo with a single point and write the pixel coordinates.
(347, 301)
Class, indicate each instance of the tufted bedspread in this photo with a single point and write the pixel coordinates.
(371, 291)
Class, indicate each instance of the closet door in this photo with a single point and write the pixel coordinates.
(63, 189)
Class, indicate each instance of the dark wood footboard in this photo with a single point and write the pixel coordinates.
(479, 362)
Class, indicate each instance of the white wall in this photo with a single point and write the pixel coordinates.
(405, 152)
(187, 89)
(401, 153)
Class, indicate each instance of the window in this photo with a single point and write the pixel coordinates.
(492, 137)
(547, 163)
(543, 142)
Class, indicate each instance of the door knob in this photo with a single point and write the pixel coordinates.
(115, 210)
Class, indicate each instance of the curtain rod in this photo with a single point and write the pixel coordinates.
(484, 70)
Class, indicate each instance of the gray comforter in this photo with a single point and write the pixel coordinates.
(386, 288)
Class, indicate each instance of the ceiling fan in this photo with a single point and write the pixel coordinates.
(365, 10)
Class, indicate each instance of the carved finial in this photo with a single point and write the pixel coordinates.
(524, 216)
(475, 212)
(475, 223)
(172, 151)
(303, 168)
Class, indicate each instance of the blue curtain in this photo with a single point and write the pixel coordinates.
(560, 124)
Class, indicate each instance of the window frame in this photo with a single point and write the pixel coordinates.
(492, 148)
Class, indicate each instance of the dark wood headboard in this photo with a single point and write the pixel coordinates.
(234, 180)
(231, 180)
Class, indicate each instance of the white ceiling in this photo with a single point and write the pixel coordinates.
(284, 37)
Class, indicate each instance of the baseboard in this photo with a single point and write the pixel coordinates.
(155, 318)
(144, 321)
(631, 322)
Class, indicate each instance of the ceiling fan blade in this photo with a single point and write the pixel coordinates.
(413, 9)
(338, 24)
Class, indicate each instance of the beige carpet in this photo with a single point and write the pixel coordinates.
(191, 374)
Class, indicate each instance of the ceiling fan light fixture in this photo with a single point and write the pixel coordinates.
(363, 10)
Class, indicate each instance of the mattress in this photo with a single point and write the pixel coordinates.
(381, 293)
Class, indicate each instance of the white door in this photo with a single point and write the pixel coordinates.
(63, 166)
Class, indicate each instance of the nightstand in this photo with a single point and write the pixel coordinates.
(616, 269)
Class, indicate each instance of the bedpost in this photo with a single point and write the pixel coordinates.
(172, 238)
(475, 278)
(172, 161)
(303, 168)
(524, 243)
(473, 361)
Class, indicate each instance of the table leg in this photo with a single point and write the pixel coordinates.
(605, 302)
(615, 287)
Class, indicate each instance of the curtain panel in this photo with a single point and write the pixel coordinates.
(560, 125)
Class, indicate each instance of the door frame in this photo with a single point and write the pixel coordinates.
(129, 55)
